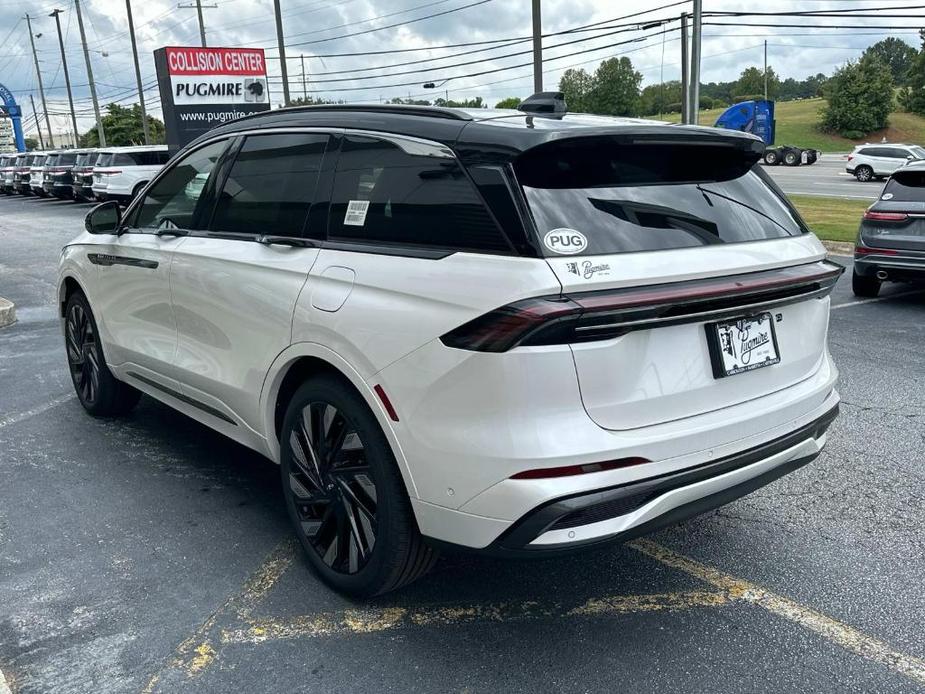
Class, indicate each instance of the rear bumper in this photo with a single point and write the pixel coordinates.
(627, 511)
(898, 267)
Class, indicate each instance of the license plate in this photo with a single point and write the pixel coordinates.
(742, 344)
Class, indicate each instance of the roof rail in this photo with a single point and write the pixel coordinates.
(403, 109)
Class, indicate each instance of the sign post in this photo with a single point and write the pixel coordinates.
(204, 87)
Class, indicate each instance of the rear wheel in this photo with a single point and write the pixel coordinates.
(792, 158)
(100, 393)
(345, 495)
(866, 287)
(864, 173)
(772, 157)
(136, 191)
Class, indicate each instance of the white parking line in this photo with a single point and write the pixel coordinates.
(828, 628)
(4, 687)
(860, 302)
(13, 419)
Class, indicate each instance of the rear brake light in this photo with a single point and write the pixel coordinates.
(864, 250)
(607, 314)
(850, 157)
(568, 470)
(885, 216)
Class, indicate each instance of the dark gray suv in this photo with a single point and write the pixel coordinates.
(891, 240)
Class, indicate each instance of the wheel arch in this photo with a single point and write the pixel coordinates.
(68, 286)
(303, 360)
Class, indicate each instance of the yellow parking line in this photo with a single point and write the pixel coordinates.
(388, 618)
(831, 629)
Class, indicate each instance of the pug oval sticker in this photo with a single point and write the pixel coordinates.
(565, 241)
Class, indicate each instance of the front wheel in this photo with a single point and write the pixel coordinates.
(867, 287)
(345, 494)
(97, 389)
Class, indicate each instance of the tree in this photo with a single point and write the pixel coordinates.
(123, 127)
(660, 98)
(860, 98)
(31, 144)
(576, 86)
(896, 54)
(510, 102)
(913, 96)
(751, 82)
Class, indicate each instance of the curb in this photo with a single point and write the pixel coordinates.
(839, 248)
(7, 317)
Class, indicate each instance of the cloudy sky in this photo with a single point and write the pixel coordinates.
(321, 30)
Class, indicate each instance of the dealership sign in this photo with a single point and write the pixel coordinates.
(205, 87)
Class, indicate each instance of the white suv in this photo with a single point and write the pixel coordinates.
(121, 172)
(491, 329)
(869, 162)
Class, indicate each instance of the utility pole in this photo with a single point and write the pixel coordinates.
(141, 94)
(537, 48)
(766, 70)
(685, 82)
(96, 104)
(202, 26)
(38, 126)
(67, 77)
(282, 53)
(695, 62)
(38, 74)
(304, 88)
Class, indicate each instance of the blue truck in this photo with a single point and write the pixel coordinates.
(757, 118)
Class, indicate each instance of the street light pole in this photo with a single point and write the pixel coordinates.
(695, 62)
(67, 77)
(282, 52)
(96, 104)
(537, 48)
(685, 82)
(304, 88)
(141, 94)
(38, 74)
(765, 70)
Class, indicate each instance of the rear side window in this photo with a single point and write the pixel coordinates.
(385, 195)
(905, 186)
(647, 197)
(152, 158)
(122, 159)
(271, 185)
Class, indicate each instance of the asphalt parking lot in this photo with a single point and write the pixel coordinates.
(827, 177)
(151, 554)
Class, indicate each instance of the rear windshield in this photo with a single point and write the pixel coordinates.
(648, 197)
(38, 161)
(103, 159)
(905, 186)
(51, 160)
(65, 159)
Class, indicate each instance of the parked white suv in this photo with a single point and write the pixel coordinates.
(37, 173)
(125, 171)
(869, 162)
(489, 329)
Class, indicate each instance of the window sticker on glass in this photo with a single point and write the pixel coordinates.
(356, 213)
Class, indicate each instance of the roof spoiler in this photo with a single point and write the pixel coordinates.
(548, 104)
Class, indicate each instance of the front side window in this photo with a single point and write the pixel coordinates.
(271, 184)
(172, 201)
(647, 197)
(386, 195)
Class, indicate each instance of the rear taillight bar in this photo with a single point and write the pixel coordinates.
(865, 250)
(886, 216)
(601, 315)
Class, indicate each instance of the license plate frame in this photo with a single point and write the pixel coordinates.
(732, 354)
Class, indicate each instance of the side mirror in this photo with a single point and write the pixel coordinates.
(105, 218)
(910, 157)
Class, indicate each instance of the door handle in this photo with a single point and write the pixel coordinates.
(171, 232)
(269, 240)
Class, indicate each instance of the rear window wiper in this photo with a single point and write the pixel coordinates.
(746, 206)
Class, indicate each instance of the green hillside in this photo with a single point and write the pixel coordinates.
(797, 124)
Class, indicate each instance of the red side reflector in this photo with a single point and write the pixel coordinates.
(850, 157)
(386, 403)
(885, 216)
(864, 250)
(568, 470)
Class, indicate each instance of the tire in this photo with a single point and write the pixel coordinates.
(811, 156)
(865, 287)
(357, 528)
(792, 158)
(137, 190)
(100, 393)
(864, 173)
(772, 157)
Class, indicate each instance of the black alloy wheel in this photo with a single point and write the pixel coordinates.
(333, 490)
(345, 494)
(83, 354)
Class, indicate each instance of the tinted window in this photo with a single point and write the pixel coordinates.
(51, 160)
(384, 195)
(895, 153)
(38, 161)
(625, 198)
(66, 159)
(149, 158)
(122, 159)
(905, 186)
(172, 201)
(271, 185)
(103, 159)
(918, 152)
(868, 152)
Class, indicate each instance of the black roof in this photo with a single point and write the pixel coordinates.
(481, 135)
